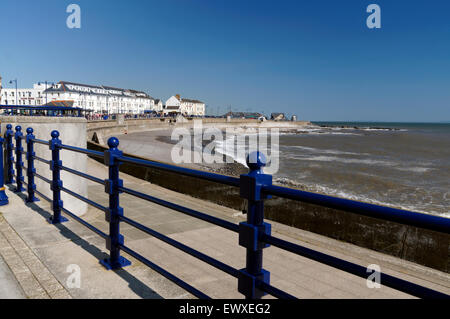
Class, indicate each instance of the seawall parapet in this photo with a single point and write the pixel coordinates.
(99, 131)
(72, 132)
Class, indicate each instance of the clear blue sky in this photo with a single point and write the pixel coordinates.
(316, 59)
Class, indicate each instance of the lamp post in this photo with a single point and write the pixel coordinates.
(3, 196)
(107, 103)
(84, 104)
(11, 82)
(89, 96)
(46, 83)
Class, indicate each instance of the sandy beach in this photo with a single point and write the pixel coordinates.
(157, 145)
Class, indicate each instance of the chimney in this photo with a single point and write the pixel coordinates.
(178, 97)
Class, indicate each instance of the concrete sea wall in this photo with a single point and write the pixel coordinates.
(418, 245)
(99, 131)
(72, 132)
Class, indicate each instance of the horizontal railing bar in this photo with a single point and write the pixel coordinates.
(84, 199)
(75, 217)
(195, 253)
(89, 177)
(405, 217)
(211, 219)
(41, 160)
(82, 150)
(222, 179)
(390, 281)
(43, 196)
(15, 149)
(84, 223)
(40, 141)
(22, 152)
(42, 178)
(274, 291)
(165, 273)
(25, 169)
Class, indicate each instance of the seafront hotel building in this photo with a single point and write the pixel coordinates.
(99, 99)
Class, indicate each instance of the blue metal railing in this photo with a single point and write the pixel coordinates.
(254, 234)
(42, 110)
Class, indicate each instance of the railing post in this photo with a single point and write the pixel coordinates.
(113, 213)
(19, 163)
(9, 154)
(3, 198)
(55, 186)
(250, 231)
(31, 187)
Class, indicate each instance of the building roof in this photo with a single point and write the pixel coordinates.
(80, 84)
(140, 92)
(64, 86)
(111, 88)
(68, 103)
(190, 101)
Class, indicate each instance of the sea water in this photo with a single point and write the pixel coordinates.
(403, 165)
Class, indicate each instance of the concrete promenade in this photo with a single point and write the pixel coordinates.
(10, 287)
(38, 255)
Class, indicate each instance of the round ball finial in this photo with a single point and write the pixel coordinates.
(113, 142)
(30, 130)
(256, 160)
(54, 134)
(18, 128)
(8, 126)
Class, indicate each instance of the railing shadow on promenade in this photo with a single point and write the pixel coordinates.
(253, 281)
(136, 285)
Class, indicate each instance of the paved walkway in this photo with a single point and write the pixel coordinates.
(58, 247)
(9, 287)
(22, 274)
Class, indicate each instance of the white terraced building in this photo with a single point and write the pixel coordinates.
(102, 99)
(32, 96)
(99, 99)
(176, 104)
